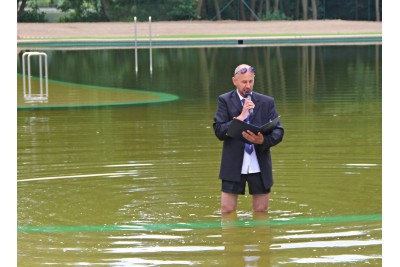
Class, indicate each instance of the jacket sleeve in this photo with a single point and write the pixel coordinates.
(276, 136)
(222, 120)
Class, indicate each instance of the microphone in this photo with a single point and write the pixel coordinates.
(248, 96)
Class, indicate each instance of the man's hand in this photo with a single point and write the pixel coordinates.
(248, 104)
(253, 138)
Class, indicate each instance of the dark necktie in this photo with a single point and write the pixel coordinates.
(249, 147)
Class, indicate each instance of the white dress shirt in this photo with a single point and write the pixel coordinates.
(250, 162)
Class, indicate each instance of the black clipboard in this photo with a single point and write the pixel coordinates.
(237, 127)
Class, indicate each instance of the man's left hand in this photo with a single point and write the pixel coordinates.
(253, 138)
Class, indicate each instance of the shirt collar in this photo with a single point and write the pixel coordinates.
(240, 96)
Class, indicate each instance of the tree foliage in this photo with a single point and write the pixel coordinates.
(33, 14)
(164, 10)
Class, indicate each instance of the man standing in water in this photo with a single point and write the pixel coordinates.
(242, 163)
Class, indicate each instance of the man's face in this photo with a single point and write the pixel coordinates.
(244, 82)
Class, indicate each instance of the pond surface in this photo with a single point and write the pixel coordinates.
(137, 185)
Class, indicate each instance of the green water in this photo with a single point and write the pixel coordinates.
(138, 185)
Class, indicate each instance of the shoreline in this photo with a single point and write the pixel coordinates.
(193, 29)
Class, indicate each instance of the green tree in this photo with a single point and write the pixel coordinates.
(82, 10)
(181, 9)
(377, 10)
(21, 4)
(304, 4)
(314, 9)
(32, 15)
(164, 10)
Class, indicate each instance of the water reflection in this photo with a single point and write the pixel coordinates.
(153, 168)
(246, 246)
(304, 72)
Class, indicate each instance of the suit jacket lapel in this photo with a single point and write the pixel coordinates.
(236, 101)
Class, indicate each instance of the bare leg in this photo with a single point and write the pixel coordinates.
(228, 202)
(260, 202)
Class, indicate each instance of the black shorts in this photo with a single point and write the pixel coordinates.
(256, 185)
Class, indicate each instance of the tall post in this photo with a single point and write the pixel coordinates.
(136, 57)
(151, 59)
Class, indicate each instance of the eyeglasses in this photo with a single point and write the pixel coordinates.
(244, 70)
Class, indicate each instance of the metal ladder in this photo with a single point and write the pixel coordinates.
(43, 95)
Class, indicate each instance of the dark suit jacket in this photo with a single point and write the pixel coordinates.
(229, 106)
